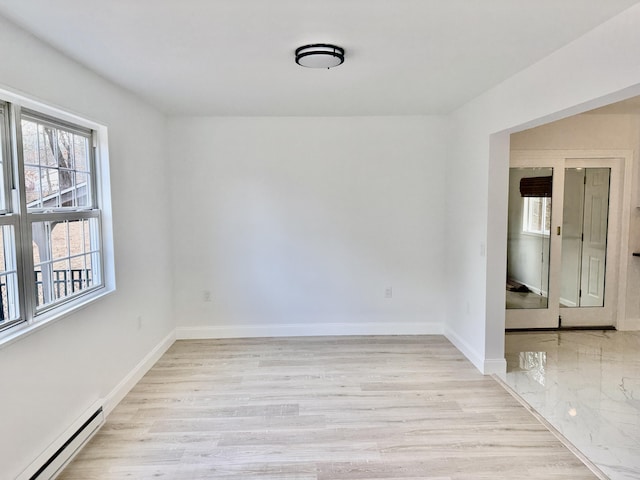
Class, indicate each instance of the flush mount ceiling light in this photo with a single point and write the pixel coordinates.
(319, 55)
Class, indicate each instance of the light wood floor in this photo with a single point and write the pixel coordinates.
(402, 408)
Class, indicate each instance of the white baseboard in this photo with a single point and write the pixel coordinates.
(465, 348)
(308, 330)
(487, 366)
(134, 376)
(495, 366)
(33, 468)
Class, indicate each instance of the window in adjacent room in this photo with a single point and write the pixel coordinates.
(536, 216)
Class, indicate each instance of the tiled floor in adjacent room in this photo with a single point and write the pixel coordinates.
(587, 385)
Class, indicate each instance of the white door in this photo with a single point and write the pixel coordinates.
(594, 243)
(599, 259)
(562, 274)
(535, 205)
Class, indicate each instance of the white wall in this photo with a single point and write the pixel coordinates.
(596, 69)
(298, 225)
(52, 376)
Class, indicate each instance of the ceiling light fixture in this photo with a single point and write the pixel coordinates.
(319, 55)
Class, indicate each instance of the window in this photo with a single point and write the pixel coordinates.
(536, 216)
(50, 217)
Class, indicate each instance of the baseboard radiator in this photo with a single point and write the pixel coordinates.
(63, 455)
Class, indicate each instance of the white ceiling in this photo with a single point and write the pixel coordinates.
(235, 57)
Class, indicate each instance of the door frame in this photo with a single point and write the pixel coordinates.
(620, 162)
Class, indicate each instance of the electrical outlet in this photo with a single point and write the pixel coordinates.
(388, 292)
(206, 296)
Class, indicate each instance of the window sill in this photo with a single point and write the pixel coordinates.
(18, 332)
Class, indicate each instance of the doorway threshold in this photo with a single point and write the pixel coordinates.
(559, 329)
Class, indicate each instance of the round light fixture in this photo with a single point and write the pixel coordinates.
(319, 55)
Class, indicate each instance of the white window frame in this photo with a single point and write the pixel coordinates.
(13, 261)
(32, 317)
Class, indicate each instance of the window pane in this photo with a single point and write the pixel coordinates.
(30, 143)
(32, 185)
(87, 265)
(61, 274)
(9, 306)
(39, 289)
(66, 257)
(59, 240)
(53, 156)
(50, 186)
(77, 240)
(87, 237)
(81, 190)
(47, 146)
(81, 154)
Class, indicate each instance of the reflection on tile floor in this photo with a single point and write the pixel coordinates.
(528, 300)
(587, 385)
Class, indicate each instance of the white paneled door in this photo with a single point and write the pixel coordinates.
(594, 243)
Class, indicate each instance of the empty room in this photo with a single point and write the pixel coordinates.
(270, 240)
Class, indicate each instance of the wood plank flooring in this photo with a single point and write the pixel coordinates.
(321, 408)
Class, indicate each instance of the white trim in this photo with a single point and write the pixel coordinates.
(628, 189)
(120, 391)
(495, 366)
(23, 329)
(487, 366)
(58, 442)
(467, 350)
(309, 330)
(30, 102)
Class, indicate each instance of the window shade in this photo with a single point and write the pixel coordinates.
(536, 186)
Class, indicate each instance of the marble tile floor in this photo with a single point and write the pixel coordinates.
(587, 385)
